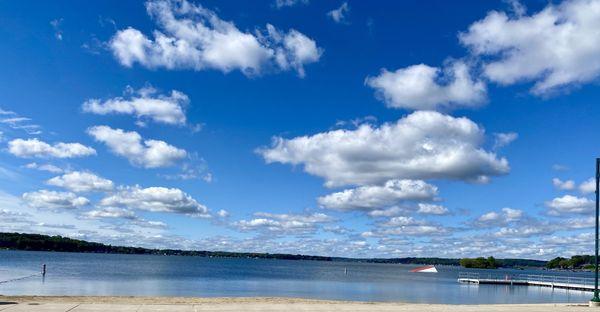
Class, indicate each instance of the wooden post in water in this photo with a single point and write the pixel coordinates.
(44, 269)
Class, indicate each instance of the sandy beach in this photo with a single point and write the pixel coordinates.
(80, 304)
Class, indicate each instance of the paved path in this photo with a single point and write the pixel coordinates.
(88, 307)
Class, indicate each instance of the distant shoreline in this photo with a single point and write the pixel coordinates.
(38, 242)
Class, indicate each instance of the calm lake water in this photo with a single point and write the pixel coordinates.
(142, 275)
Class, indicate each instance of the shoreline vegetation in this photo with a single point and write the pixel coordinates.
(39, 242)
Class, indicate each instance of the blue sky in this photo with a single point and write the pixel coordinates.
(350, 128)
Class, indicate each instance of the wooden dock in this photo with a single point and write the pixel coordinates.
(552, 281)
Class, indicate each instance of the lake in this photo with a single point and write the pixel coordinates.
(148, 275)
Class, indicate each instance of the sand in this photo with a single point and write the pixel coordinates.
(81, 304)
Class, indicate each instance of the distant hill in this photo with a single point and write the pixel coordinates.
(38, 242)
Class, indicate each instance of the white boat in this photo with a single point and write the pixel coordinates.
(425, 269)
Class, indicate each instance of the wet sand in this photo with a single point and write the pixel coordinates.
(80, 304)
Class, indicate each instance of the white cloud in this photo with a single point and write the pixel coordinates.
(490, 216)
(517, 7)
(389, 212)
(295, 51)
(36, 148)
(150, 223)
(406, 226)
(432, 209)
(422, 87)
(110, 212)
(150, 154)
(156, 199)
(523, 231)
(283, 223)
(289, 3)
(126, 214)
(569, 204)
(581, 223)
(340, 14)
(193, 37)
(144, 104)
(8, 216)
(17, 122)
(81, 181)
(44, 167)
(493, 218)
(556, 47)
(559, 167)
(504, 139)
(373, 197)
(54, 200)
(422, 145)
(222, 213)
(567, 185)
(58, 33)
(512, 214)
(588, 186)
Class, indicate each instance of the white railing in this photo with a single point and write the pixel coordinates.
(544, 278)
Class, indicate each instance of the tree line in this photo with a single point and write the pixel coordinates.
(493, 263)
(575, 262)
(39, 242)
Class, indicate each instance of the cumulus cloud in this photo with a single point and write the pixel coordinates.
(422, 87)
(125, 214)
(144, 104)
(502, 218)
(283, 223)
(569, 204)
(44, 167)
(110, 212)
(389, 212)
(8, 216)
(147, 153)
(54, 200)
(580, 223)
(81, 181)
(340, 14)
(556, 47)
(432, 209)
(222, 213)
(193, 37)
(373, 197)
(523, 231)
(405, 226)
(422, 145)
(567, 185)
(36, 148)
(588, 186)
(295, 51)
(156, 199)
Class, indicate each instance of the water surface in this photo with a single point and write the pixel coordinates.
(148, 275)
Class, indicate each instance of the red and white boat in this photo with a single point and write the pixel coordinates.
(425, 269)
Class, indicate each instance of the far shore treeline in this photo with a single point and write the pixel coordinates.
(38, 242)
